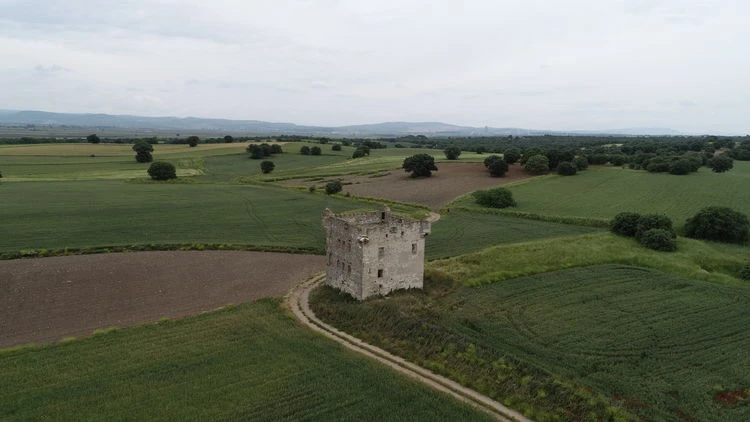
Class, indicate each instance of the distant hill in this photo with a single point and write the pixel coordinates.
(257, 127)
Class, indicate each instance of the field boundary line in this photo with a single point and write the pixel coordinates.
(298, 302)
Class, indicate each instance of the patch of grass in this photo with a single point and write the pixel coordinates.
(59, 215)
(461, 232)
(693, 259)
(574, 343)
(250, 362)
(602, 193)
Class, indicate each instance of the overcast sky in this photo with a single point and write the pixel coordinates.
(542, 64)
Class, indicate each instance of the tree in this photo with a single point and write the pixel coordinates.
(721, 164)
(192, 140)
(719, 224)
(143, 151)
(581, 163)
(358, 153)
(481, 150)
(452, 152)
(494, 198)
(93, 138)
(315, 150)
(162, 170)
(336, 147)
(229, 139)
(537, 164)
(625, 224)
(256, 152)
(267, 166)
(305, 150)
(680, 167)
(489, 160)
(333, 187)
(659, 240)
(512, 155)
(566, 168)
(419, 165)
(276, 149)
(648, 222)
(498, 168)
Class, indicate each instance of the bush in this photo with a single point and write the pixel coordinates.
(144, 157)
(305, 150)
(256, 151)
(452, 152)
(490, 159)
(93, 138)
(721, 163)
(335, 147)
(267, 166)
(162, 170)
(719, 224)
(193, 141)
(512, 155)
(537, 164)
(419, 165)
(659, 240)
(315, 151)
(653, 221)
(358, 153)
(498, 168)
(333, 187)
(566, 168)
(143, 151)
(625, 224)
(680, 167)
(581, 163)
(494, 198)
(745, 272)
(275, 149)
(657, 165)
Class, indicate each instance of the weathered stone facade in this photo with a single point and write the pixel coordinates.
(374, 253)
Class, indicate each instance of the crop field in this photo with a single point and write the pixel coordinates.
(660, 346)
(602, 193)
(461, 232)
(250, 362)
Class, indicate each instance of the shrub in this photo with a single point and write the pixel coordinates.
(481, 150)
(312, 189)
(336, 147)
(512, 155)
(659, 240)
(625, 224)
(256, 151)
(229, 139)
(581, 163)
(745, 272)
(143, 151)
(566, 168)
(720, 224)
(680, 167)
(653, 221)
(617, 160)
(192, 140)
(267, 166)
(494, 198)
(333, 187)
(275, 149)
(305, 150)
(537, 164)
(490, 159)
(452, 152)
(144, 157)
(721, 163)
(498, 168)
(358, 153)
(162, 170)
(93, 138)
(315, 151)
(419, 165)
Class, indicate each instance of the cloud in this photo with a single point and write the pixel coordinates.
(50, 69)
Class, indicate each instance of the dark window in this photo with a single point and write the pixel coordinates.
(414, 248)
(380, 273)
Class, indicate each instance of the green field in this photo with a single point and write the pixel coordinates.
(251, 362)
(604, 192)
(659, 346)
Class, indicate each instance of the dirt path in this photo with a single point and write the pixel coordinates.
(44, 300)
(298, 302)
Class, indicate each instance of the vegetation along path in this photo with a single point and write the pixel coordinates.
(298, 302)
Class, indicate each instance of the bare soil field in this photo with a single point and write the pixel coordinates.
(450, 181)
(46, 299)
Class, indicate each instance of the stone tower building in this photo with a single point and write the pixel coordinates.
(374, 253)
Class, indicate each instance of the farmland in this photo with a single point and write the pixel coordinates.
(680, 346)
(603, 192)
(247, 362)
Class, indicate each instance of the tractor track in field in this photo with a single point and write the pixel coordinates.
(298, 302)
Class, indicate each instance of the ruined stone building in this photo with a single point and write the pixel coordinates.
(374, 253)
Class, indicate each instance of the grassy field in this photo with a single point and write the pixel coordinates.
(660, 346)
(100, 213)
(602, 193)
(251, 362)
(463, 232)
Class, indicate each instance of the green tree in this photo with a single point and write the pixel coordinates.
(566, 168)
(537, 164)
(358, 153)
(255, 151)
(305, 150)
(143, 151)
(581, 163)
(512, 155)
(452, 152)
(625, 224)
(267, 166)
(275, 149)
(333, 187)
(315, 150)
(721, 163)
(229, 139)
(648, 222)
(162, 170)
(494, 198)
(93, 138)
(659, 240)
(719, 224)
(498, 168)
(481, 149)
(419, 165)
(680, 167)
(193, 140)
(336, 147)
